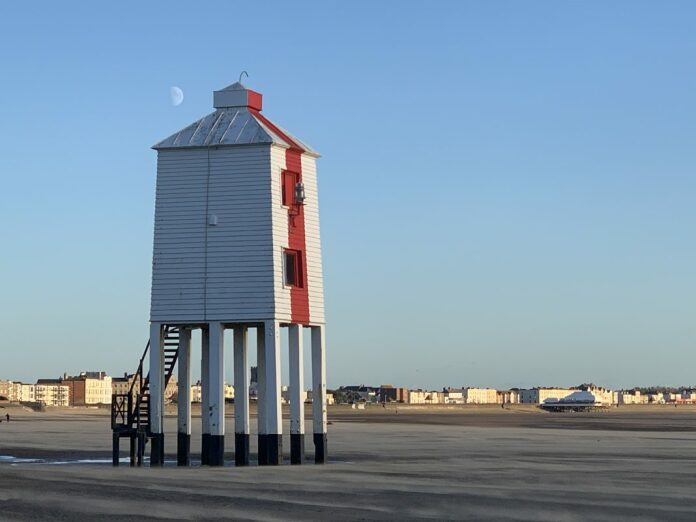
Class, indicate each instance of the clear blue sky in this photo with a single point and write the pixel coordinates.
(507, 188)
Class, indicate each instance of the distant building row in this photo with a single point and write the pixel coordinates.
(389, 393)
(636, 397)
(94, 388)
(607, 397)
(87, 388)
(539, 395)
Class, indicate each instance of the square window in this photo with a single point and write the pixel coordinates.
(292, 268)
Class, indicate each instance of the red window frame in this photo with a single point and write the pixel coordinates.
(292, 275)
(288, 182)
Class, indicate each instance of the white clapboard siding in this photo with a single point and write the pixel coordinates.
(178, 264)
(221, 272)
(280, 234)
(315, 279)
(239, 196)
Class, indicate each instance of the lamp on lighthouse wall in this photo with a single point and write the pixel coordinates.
(299, 193)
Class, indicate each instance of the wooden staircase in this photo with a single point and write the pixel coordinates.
(130, 412)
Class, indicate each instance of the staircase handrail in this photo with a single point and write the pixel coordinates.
(139, 372)
(134, 402)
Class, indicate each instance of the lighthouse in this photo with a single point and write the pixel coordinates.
(236, 247)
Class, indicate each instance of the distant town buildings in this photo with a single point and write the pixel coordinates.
(285, 395)
(46, 392)
(541, 395)
(10, 390)
(89, 388)
(171, 390)
(123, 385)
(197, 392)
(454, 396)
(388, 393)
(26, 392)
(96, 388)
(51, 392)
(636, 397)
(686, 397)
(507, 396)
(425, 397)
(480, 396)
(601, 396)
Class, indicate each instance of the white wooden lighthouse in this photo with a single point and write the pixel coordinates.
(236, 246)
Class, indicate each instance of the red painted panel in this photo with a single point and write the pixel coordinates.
(254, 100)
(299, 295)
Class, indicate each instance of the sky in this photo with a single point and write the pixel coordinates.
(506, 188)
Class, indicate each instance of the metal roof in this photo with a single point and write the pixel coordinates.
(236, 86)
(236, 125)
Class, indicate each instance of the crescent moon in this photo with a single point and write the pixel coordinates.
(176, 95)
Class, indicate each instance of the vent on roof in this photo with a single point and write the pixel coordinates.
(236, 95)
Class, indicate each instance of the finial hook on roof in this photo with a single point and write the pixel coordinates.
(242, 74)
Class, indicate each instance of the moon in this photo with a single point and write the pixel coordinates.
(176, 95)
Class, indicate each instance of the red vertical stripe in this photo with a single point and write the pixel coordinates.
(299, 296)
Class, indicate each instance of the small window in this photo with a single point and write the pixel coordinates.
(289, 180)
(293, 268)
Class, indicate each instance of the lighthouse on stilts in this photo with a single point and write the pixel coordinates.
(236, 247)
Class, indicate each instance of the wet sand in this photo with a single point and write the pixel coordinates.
(635, 463)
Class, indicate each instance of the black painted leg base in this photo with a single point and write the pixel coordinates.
(132, 449)
(115, 449)
(157, 450)
(270, 450)
(297, 448)
(241, 449)
(141, 439)
(183, 449)
(205, 449)
(263, 449)
(217, 450)
(320, 448)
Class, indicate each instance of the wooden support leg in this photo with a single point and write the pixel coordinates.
(115, 449)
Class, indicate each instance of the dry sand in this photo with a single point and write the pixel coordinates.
(420, 463)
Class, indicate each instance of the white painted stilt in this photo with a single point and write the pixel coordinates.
(183, 452)
(273, 412)
(156, 384)
(205, 418)
(261, 394)
(241, 397)
(319, 394)
(216, 394)
(297, 424)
